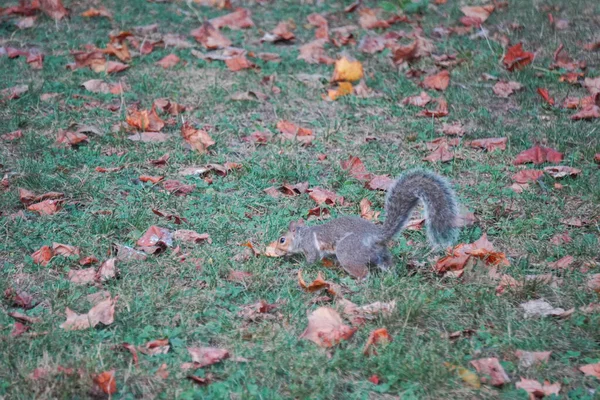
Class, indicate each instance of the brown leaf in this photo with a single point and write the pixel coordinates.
(380, 182)
(591, 370)
(126, 253)
(238, 63)
(112, 67)
(490, 144)
(190, 236)
(13, 92)
(588, 112)
(82, 276)
(168, 106)
(162, 372)
(536, 390)
(168, 61)
(527, 175)
(205, 356)
(326, 328)
(155, 239)
(46, 207)
(18, 298)
(594, 282)
(517, 58)
(441, 153)
(460, 255)
(106, 382)
(314, 53)
(70, 138)
(239, 276)
(239, 19)
(197, 138)
(318, 284)
(545, 94)
(490, 367)
(538, 155)
(479, 12)
(372, 44)
(107, 270)
(19, 329)
(153, 179)
(161, 161)
(293, 132)
(322, 196)
(177, 188)
(319, 21)
(530, 358)
(440, 111)
(368, 19)
(24, 318)
(149, 137)
(560, 171)
(378, 336)
(95, 12)
(65, 250)
(505, 89)
(210, 37)
(102, 312)
(145, 120)
(281, 33)
(12, 136)
(154, 347)
(54, 9)
(119, 50)
(420, 101)
(439, 81)
(43, 256)
(540, 308)
(356, 168)
(366, 212)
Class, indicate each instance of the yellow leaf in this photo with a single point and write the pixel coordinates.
(343, 89)
(469, 377)
(348, 71)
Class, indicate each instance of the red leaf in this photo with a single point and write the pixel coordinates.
(106, 382)
(439, 81)
(376, 337)
(517, 58)
(239, 19)
(546, 96)
(538, 155)
(527, 175)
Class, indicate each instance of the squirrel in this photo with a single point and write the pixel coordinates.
(358, 244)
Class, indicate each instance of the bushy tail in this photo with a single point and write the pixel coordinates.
(440, 206)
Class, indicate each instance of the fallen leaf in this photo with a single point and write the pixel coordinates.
(107, 270)
(161, 161)
(112, 67)
(560, 171)
(378, 336)
(343, 89)
(239, 276)
(314, 53)
(149, 137)
(154, 347)
(505, 89)
(199, 139)
(54, 9)
(153, 179)
(67, 138)
(293, 132)
(168, 61)
(318, 284)
(65, 250)
(12, 136)
(322, 196)
(168, 106)
(19, 329)
(482, 248)
(536, 390)
(178, 188)
(527, 175)
(368, 19)
(281, 33)
(380, 182)
(591, 370)
(374, 379)
(106, 382)
(18, 298)
(239, 19)
(594, 282)
(545, 94)
(43, 256)
(97, 12)
(358, 314)
(440, 111)
(102, 312)
(356, 168)
(46, 207)
(126, 253)
(480, 13)
(420, 101)
(439, 81)
(14, 92)
(319, 21)
(588, 112)
(190, 236)
(490, 144)
(441, 153)
(491, 370)
(210, 37)
(145, 120)
(516, 58)
(238, 63)
(564, 61)
(530, 358)
(469, 377)
(82, 276)
(249, 95)
(119, 50)
(366, 212)
(162, 372)
(326, 329)
(540, 308)
(347, 71)
(205, 356)
(538, 155)
(24, 318)
(155, 239)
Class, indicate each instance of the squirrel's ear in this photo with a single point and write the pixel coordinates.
(295, 224)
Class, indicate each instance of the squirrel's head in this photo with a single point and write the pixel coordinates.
(286, 243)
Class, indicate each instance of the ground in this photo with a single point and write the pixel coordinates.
(193, 303)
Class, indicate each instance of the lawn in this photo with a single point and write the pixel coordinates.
(198, 293)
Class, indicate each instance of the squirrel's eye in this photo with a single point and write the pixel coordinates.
(282, 240)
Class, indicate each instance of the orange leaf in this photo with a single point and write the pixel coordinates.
(169, 61)
(239, 19)
(106, 382)
(315, 285)
(536, 390)
(322, 196)
(210, 37)
(490, 144)
(43, 256)
(314, 53)
(439, 81)
(326, 329)
(95, 12)
(197, 138)
(46, 207)
(54, 9)
(517, 58)
(347, 71)
(538, 155)
(490, 367)
(356, 168)
(343, 89)
(545, 95)
(293, 132)
(527, 175)
(149, 178)
(440, 111)
(420, 101)
(238, 63)
(376, 337)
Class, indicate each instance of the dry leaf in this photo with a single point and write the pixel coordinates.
(322, 196)
(366, 212)
(343, 89)
(154, 347)
(481, 13)
(82, 276)
(43, 256)
(560, 171)
(440, 111)
(197, 138)
(527, 175)
(490, 367)
(505, 89)
(420, 101)
(239, 19)
(356, 168)
(168, 61)
(380, 182)
(210, 37)
(293, 132)
(46, 207)
(591, 370)
(239, 63)
(177, 188)
(347, 71)
(326, 328)
(439, 81)
(205, 356)
(149, 137)
(588, 112)
(238, 276)
(281, 33)
(70, 138)
(97, 12)
(545, 94)
(378, 336)
(540, 308)
(145, 120)
(536, 390)
(190, 236)
(517, 58)
(530, 358)
(102, 312)
(490, 144)
(314, 53)
(538, 155)
(441, 153)
(106, 382)
(54, 9)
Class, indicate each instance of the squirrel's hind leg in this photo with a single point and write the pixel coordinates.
(354, 256)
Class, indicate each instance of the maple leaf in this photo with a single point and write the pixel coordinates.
(441, 153)
(46, 207)
(239, 19)
(106, 382)
(326, 329)
(343, 89)
(314, 53)
(322, 196)
(54, 9)
(420, 101)
(378, 336)
(505, 89)
(347, 71)
(517, 58)
(545, 95)
(210, 37)
(490, 144)
(119, 50)
(293, 132)
(103, 312)
(199, 139)
(168, 61)
(536, 390)
(490, 367)
(538, 155)
(318, 284)
(439, 81)
(527, 175)
(482, 248)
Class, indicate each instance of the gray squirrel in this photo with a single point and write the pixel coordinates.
(358, 244)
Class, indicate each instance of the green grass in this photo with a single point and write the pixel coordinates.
(163, 297)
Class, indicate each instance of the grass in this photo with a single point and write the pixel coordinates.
(163, 297)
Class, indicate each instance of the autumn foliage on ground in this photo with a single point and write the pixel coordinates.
(151, 152)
